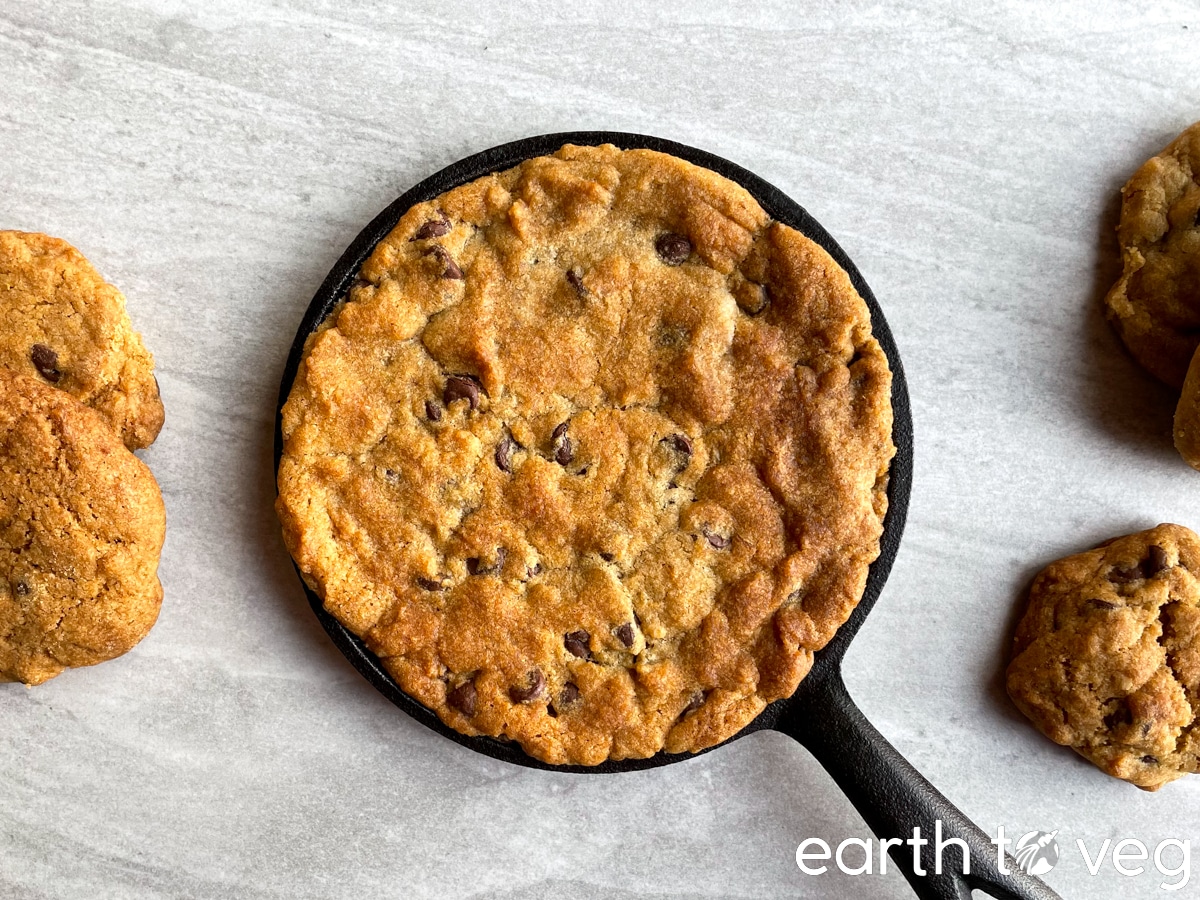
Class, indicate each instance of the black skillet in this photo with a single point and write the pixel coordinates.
(888, 792)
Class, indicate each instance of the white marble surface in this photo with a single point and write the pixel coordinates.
(213, 159)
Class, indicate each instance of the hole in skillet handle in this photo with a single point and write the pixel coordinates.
(777, 205)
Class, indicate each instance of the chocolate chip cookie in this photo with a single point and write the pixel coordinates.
(1187, 416)
(593, 456)
(66, 326)
(81, 527)
(1107, 657)
(1155, 305)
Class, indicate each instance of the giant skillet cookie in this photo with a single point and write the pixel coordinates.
(593, 456)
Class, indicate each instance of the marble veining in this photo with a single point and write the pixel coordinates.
(213, 160)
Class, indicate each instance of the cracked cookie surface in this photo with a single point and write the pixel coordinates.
(1155, 304)
(81, 527)
(1107, 657)
(593, 456)
(66, 326)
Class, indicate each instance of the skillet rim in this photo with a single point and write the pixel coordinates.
(780, 207)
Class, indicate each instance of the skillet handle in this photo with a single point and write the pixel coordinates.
(893, 798)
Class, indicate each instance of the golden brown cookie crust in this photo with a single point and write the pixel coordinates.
(594, 457)
(81, 527)
(1155, 304)
(1107, 657)
(66, 326)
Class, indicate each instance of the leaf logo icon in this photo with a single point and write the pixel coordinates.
(1037, 852)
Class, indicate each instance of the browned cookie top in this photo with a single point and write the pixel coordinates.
(594, 456)
(81, 527)
(1107, 657)
(65, 325)
(1155, 305)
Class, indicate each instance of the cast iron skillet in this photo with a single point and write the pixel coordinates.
(888, 792)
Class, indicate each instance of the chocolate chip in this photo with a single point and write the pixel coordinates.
(682, 447)
(680, 444)
(1150, 760)
(461, 387)
(1124, 574)
(576, 281)
(432, 229)
(607, 557)
(567, 698)
(533, 571)
(1101, 604)
(576, 643)
(695, 703)
(450, 268)
(504, 452)
(45, 361)
(1156, 561)
(476, 566)
(717, 541)
(433, 412)
(430, 585)
(463, 698)
(21, 589)
(564, 447)
(569, 695)
(625, 634)
(535, 687)
(673, 248)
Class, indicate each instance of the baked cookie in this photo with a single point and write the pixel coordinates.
(593, 456)
(1187, 416)
(68, 327)
(1107, 657)
(1155, 304)
(81, 527)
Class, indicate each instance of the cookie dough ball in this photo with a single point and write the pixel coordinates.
(1155, 305)
(66, 326)
(1107, 657)
(81, 527)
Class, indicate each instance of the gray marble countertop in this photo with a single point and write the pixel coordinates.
(213, 160)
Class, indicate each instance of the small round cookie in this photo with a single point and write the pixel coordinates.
(1107, 657)
(1155, 304)
(594, 456)
(68, 327)
(1187, 416)
(81, 527)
